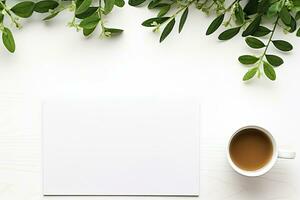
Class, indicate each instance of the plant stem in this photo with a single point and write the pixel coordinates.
(175, 14)
(10, 15)
(230, 6)
(267, 46)
(270, 38)
(101, 19)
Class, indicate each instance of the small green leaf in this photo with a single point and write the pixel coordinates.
(87, 32)
(298, 32)
(1, 7)
(8, 40)
(252, 27)
(167, 30)
(296, 3)
(275, 8)
(90, 22)
(1, 18)
(274, 60)
(230, 33)
(251, 7)
(216, 23)
(239, 14)
(292, 25)
(45, 5)
(109, 4)
(153, 3)
(269, 71)
(51, 16)
(119, 3)
(261, 31)
(250, 74)
(164, 10)
(254, 43)
(113, 31)
(135, 2)
(183, 19)
(263, 6)
(285, 15)
(282, 45)
(78, 3)
(87, 13)
(160, 5)
(152, 22)
(297, 17)
(23, 9)
(83, 6)
(248, 59)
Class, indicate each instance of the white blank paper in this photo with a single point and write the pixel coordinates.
(121, 147)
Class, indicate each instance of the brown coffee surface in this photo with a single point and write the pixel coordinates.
(251, 149)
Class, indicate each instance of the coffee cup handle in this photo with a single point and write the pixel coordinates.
(285, 154)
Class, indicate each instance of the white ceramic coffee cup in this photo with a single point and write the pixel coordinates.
(285, 154)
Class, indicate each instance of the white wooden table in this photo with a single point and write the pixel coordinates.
(55, 61)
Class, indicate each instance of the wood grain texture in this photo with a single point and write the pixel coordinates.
(20, 163)
(52, 61)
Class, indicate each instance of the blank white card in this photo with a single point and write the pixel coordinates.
(121, 147)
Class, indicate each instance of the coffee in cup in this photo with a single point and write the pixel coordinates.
(252, 151)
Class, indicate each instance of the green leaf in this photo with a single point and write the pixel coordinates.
(248, 59)
(109, 4)
(83, 6)
(263, 6)
(239, 14)
(282, 45)
(160, 5)
(250, 74)
(119, 3)
(78, 3)
(113, 31)
(167, 30)
(183, 19)
(23, 9)
(285, 15)
(261, 31)
(292, 25)
(152, 22)
(45, 5)
(164, 10)
(275, 8)
(254, 43)
(1, 18)
(269, 71)
(87, 32)
(90, 22)
(153, 4)
(251, 7)
(1, 7)
(135, 2)
(8, 40)
(230, 33)
(216, 23)
(274, 60)
(297, 17)
(296, 3)
(87, 13)
(252, 27)
(51, 16)
(298, 33)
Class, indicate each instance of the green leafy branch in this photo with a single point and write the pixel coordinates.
(86, 15)
(248, 19)
(161, 19)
